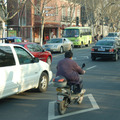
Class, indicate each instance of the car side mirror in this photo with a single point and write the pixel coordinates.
(43, 50)
(35, 60)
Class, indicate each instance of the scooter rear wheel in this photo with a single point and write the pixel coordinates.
(62, 107)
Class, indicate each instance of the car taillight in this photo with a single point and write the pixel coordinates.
(111, 50)
(60, 80)
(92, 49)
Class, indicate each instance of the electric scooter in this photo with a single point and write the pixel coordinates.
(65, 94)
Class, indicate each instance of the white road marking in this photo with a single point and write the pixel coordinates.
(57, 55)
(91, 67)
(80, 58)
(51, 109)
(74, 58)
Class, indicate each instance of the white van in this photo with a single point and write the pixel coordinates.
(21, 71)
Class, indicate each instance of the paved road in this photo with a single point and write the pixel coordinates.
(101, 101)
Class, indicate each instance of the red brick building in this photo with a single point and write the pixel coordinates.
(28, 21)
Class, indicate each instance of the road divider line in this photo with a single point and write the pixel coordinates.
(51, 109)
(91, 67)
(57, 55)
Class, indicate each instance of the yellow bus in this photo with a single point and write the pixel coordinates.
(80, 36)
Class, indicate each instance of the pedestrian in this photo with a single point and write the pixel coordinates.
(96, 38)
(101, 36)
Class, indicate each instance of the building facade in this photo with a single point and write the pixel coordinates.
(51, 17)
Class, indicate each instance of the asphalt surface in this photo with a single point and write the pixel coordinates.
(101, 101)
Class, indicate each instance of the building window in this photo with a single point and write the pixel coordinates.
(56, 10)
(37, 10)
(23, 17)
(69, 14)
(78, 12)
(63, 13)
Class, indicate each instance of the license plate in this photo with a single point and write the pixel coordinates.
(101, 49)
(60, 98)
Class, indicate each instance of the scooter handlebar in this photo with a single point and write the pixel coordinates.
(83, 65)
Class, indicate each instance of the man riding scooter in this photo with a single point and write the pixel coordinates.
(71, 70)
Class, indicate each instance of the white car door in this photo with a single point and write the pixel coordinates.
(9, 72)
(29, 71)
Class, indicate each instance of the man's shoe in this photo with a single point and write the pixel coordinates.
(82, 92)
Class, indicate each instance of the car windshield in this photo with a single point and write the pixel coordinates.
(71, 33)
(55, 41)
(109, 38)
(105, 43)
(112, 35)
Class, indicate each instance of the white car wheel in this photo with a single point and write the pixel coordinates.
(61, 50)
(43, 83)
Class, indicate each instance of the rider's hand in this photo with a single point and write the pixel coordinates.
(84, 71)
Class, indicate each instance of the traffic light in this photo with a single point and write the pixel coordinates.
(77, 21)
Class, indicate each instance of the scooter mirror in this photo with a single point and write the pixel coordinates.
(83, 65)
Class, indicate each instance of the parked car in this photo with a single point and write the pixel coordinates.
(110, 38)
(106, 49)
(37, 51)
(21, 71)
(59, 45)
(115, 35)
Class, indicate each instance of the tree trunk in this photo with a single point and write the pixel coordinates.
(42, 29)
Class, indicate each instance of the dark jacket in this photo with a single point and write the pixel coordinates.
(70, 70)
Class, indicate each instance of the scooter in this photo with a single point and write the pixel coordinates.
(65, 94)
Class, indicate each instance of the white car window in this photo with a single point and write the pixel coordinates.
(37, 48)
(31, 47)
(23, 56)
(67, 40)
(6, 56)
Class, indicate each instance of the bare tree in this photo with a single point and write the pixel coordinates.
(6, 15)
(114, 16)
(41, 7)
(101, 12)
(72, 5)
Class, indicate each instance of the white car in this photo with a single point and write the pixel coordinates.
(21, 71)
(113, 35)
(58, 45)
